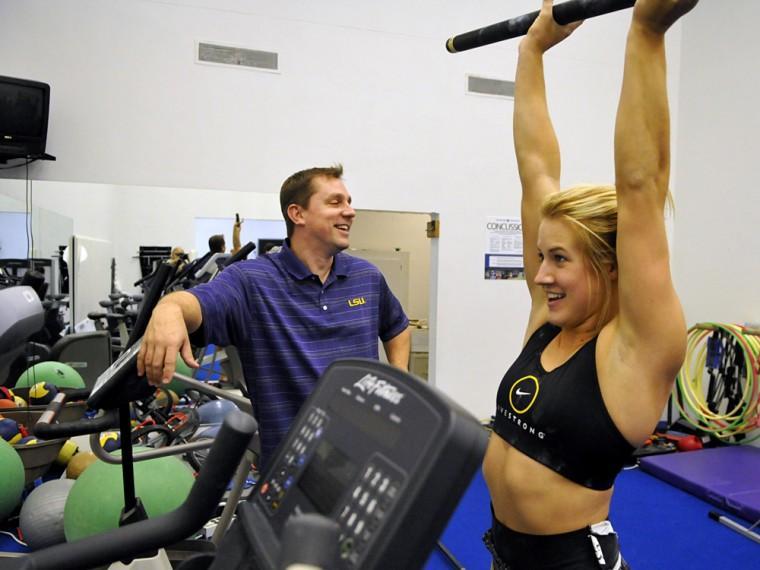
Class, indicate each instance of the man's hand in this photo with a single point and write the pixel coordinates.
(165, 337)
(236, 227)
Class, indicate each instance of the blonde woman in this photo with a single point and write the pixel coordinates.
(606, 333)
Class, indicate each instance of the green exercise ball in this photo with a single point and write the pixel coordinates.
(57, 373)
(11, 479)
(97, 497)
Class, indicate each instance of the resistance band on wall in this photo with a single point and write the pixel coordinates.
(718, 388)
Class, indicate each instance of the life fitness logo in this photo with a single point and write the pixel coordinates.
(523, 393)
(371, 384)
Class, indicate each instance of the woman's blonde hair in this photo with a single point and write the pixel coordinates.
(591, 211)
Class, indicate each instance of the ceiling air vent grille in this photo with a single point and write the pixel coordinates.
(495, 87)
(242, 57)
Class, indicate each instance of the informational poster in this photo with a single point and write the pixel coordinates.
(504, 248)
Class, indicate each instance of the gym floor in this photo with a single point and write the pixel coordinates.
(660, 527)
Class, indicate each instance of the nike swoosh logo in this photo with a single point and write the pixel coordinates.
(521, 393)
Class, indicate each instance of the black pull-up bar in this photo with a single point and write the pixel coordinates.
(565, 13)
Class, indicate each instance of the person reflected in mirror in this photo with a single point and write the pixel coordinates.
(178, 258)
(216, 244)
(236, 228)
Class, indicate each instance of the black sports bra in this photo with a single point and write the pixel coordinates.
(559, 418)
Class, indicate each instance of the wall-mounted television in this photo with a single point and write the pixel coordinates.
(24, 107)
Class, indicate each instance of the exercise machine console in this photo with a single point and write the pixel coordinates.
(380, 453)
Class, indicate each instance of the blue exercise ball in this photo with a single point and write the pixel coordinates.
(42, 393)
(110, 441)
(9, 431)
(215, 411)
(207, 432)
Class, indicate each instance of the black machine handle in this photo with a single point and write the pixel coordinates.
(131, 540)
(242, 253)
(565, 13)
(163, 275)
(310, 539)
(133, 387)
(46, 428)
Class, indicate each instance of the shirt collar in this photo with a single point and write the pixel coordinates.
(298, 269)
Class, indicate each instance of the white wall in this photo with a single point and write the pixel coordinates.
(715, 258)
(366, 84)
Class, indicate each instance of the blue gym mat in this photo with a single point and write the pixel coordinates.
(727, 477)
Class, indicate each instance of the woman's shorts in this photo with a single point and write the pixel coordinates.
(591, 548)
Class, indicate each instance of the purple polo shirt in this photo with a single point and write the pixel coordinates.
(288, 327)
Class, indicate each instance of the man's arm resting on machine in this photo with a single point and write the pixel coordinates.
(166, 336)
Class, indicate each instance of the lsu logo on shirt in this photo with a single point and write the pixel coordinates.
(356, 302)
(523, 394)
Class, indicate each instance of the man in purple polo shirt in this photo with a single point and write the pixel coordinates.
(291, 313)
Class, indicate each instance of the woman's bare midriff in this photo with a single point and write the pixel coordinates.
(529, 497)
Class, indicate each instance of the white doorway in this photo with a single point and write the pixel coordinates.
(398, 244)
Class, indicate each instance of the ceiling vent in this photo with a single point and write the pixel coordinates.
(218, 54)
(493, 87)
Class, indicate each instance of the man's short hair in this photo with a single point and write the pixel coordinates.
(216, 243)
(298, 188)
